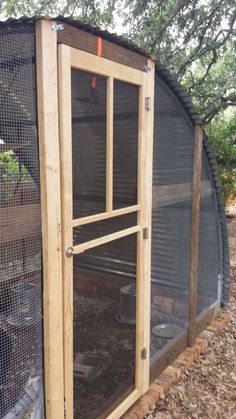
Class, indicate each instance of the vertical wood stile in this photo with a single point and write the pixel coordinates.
(64, 90)
(148, 221)
(47, 98)
(140, 243)
(194, 240)
(109, 145)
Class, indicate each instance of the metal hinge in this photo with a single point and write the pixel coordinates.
(57, 27)
(144, 353)
(147, 103)
(145, 233)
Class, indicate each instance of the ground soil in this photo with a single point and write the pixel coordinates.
(208, 389)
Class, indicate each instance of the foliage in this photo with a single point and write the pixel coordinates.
(222, 133)
(10, 169)
(195, 39)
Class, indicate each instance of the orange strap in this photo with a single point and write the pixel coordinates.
(99, 54)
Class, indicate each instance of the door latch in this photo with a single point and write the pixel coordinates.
(70, 252)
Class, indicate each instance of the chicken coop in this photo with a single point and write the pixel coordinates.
(113, 243)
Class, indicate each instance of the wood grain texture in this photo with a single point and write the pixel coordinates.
(64, 91)
(105, 215)
(194, 240)
(88, 42)
(19, 222)
(147, 222)
(46, 67)
(99, 65)
(105, 239)
(180, 192)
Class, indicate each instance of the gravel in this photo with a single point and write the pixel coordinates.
(208, 389)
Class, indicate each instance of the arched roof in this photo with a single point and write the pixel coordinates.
(183, 98)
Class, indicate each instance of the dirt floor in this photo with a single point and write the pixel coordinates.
(208, 389)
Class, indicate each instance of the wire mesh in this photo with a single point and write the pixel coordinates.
(171, 217)
(21, 369)
(210, 273)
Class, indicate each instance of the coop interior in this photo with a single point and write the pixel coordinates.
(21, 370)
(104, 278)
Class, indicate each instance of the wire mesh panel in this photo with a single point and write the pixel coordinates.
(125, 153)
(21, 370)
(210, 254)
(88, 143)
(104, 317)
(171, 218)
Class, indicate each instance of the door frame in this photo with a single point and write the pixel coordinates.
(69, 58)
(57, 232)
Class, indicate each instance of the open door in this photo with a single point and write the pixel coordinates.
(105, 164)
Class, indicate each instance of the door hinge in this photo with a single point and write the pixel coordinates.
(145, 233)
(144, 353)
(57, 27)
(147, 103)
(65, 407)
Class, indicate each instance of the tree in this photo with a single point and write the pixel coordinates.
(195, 40)
(222, 133)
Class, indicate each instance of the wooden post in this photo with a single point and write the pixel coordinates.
(65, 134)
(150, 92)
(194, 240)
(46, 65)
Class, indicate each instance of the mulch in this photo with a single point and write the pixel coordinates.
(208, 388)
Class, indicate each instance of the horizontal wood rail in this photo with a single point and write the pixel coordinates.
(105, 215)
(87, 42)
(19, 222)
(105, 239)
(180, 192)
(87, 62)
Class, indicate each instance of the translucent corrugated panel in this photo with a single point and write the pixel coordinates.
(171, 218)
(210, 255)
(21, 361)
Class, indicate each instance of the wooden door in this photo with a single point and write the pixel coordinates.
(106, 169)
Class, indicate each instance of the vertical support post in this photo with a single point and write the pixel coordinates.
(109, 145)
(146, 122)
(65, 128)
(46, 66)
(194, 240)
(148, 219)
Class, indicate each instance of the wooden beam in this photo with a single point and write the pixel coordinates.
(124, 406)
(145, 196)
(109, 144)
(194, 240)
(87, 42)
(105, 215)
(46, 67)
(99, 65)
(167, 354)
(64, 90)
(19, 222)
(180, 192)
(105, 239)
